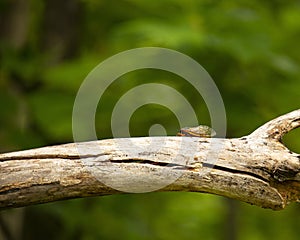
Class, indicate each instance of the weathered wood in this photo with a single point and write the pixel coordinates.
(257, 169)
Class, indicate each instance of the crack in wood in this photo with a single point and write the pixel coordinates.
(186, 167)
(235, 171)
(285, 174)
(50, 156)
(16, 189)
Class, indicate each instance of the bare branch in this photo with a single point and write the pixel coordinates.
(257, 169)
(277, 128)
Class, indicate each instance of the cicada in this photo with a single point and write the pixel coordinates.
(199, 131)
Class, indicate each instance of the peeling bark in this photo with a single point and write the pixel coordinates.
(257, 169)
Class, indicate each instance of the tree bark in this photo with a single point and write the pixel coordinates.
(257, 169)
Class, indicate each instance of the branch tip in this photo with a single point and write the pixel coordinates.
(278, 127)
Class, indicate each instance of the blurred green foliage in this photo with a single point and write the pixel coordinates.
(250, 48)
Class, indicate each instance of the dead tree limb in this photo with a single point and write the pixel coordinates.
(257, 169)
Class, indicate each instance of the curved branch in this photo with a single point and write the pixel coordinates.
(278, 127)
(257, 169)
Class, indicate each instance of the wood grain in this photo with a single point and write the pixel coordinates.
(257, 169)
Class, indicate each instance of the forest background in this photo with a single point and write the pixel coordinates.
(47, 48)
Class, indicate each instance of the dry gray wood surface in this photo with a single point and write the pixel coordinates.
(257, 169)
